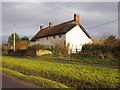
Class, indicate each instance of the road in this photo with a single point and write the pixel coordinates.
(13, 82)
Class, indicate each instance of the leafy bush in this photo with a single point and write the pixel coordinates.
(4, 52)
(22, 52)
(111, 41)
(116, 52)
(38, 47)
(96, 47)
(100, 51)
(59, 50)
(109, 50)
(3, 49)
(25, 39)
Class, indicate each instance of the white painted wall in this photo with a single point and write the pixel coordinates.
(76, 38)
(51, 41)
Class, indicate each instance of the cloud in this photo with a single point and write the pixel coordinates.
(28, 16)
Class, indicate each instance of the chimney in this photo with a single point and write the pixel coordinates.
(41, 26)
(77, 19)
(50, 24)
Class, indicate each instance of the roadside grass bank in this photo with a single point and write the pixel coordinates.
(46, 83)
(74, 58)
(50, 58)
(71, 75)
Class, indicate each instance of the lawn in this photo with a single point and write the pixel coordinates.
(71, 75)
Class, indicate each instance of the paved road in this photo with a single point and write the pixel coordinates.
(12, 82)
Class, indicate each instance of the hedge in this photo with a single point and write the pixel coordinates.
(25, 52)
(101, 51)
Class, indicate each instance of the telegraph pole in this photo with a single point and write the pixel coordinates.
(14, 38)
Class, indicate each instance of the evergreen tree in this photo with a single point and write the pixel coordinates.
(11, 38)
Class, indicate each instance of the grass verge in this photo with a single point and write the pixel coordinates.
(35, 80)
(75, 58)
(71, 75)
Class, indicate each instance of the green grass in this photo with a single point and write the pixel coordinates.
(76, 58)
(71, 75)
(46, 83)
(96, 60)
(73, 58)
(0, 60)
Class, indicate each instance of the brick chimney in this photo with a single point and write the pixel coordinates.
(77, 19)
(41, 26)
(50, 24)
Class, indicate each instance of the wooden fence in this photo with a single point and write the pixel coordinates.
(74, 50)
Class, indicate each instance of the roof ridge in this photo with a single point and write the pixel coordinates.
(66, 22)
(57, 24)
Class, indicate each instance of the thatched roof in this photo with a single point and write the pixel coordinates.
(58, 29)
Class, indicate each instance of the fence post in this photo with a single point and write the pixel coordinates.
(70, 51)
(76, 50)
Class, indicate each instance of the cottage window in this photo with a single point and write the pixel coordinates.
(60, 36)
(54, 37)
(47, 38)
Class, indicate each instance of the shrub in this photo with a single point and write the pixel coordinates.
(109, 50)
(3, 47)
(60, 50)
(111, 41)
(22, 52)
(100, 51)
(25, 39)
(116, 52)
(38, 47)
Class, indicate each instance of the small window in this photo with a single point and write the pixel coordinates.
(46, 38)
(60, 36)
(54, 37)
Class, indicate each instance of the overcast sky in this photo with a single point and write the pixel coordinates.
(98, 18)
